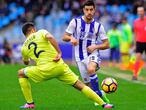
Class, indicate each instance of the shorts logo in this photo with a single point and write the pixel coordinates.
(93, 58)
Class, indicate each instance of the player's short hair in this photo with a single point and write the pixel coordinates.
(26, 28)
(88, 3)
(114, 24)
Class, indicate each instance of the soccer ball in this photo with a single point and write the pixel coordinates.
(109, 85)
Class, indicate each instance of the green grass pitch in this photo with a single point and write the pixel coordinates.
(54, 95)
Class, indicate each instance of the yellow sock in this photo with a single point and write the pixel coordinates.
(125, 59)
(92, 95)
(26, 89)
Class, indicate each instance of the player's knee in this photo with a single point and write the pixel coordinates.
(20, 73)
(91, 70)
(79, 85)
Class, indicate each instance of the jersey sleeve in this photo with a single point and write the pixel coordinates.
(102, 33)
(44, 32)
(24, 54)
(71, 27)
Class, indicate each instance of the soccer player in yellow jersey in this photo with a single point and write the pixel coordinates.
(41, 47)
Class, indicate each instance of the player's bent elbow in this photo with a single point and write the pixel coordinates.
(65, 39)
(26, 62)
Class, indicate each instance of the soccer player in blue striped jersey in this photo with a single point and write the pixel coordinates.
(84, 32)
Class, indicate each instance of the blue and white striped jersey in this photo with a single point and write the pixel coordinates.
(86, 34)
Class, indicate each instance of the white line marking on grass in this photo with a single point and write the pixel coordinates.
(122, 76)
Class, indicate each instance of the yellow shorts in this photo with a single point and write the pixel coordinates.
(125, 47)
(62, 72)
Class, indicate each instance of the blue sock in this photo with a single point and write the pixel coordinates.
(94, 84)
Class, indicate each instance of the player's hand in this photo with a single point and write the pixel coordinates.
(91, 48)
(74, 41)
(57, 58)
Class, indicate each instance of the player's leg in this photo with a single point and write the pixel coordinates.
(124, 61)
(84, 73)
(93, 64)
(137, 65)
(93, 77)
(139, 51)
(91, 94)
(33, 73)
(111, 56)
(68, 77)
(117, 55)
(125, 56)
(26, 89)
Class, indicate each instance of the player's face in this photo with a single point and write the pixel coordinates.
(140, 12)
(89, 12)
(123, 21)
(31, 30)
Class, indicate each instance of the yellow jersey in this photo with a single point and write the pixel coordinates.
(39, 49)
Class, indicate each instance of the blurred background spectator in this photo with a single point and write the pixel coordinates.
(125, 42)
(114, 38)
(54, 16)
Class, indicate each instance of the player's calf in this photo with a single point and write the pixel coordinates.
(91, 94)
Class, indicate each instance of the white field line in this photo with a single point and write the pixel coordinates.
(122, 76)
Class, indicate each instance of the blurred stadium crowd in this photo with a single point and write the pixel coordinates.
(54, 15)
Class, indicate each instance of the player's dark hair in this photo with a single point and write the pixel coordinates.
(114, 25)
(27, 27)
(88, 3)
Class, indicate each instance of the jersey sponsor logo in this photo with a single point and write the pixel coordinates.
(86, 35)
(90, 35)
(82, 35)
